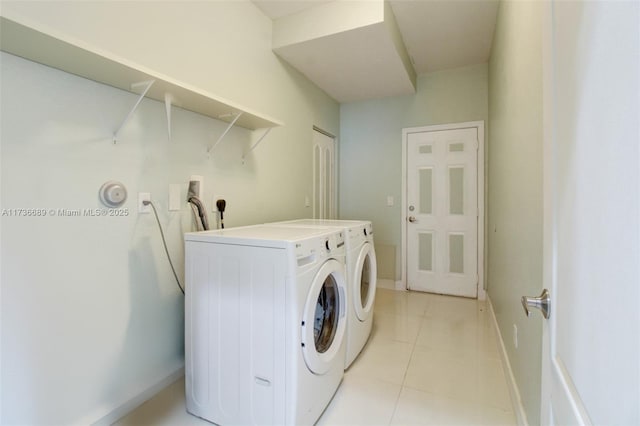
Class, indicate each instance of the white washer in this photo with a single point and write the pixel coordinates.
(265, 319)
(361, 278)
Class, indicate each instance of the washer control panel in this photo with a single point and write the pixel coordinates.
(332, 245)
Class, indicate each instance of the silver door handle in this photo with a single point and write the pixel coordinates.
(412, 219)
(543, 302)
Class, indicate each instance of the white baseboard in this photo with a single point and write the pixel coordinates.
(385, 283)
(389, 284)
(109, 415)
(514, 392)
(482, 294)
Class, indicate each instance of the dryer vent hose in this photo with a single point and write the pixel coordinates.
(201, 211)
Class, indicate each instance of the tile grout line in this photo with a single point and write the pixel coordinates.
(404, 377)
(477, 354)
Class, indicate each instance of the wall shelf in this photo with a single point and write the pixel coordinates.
(77, 57)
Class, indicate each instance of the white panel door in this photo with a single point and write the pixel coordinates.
(324, 173)
(591, 356)
(442, 211)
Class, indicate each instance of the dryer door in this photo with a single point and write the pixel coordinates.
(364, 282)
(324, 318)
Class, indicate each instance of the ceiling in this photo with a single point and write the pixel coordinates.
(275, 9)
(437, 35)
(446, 34)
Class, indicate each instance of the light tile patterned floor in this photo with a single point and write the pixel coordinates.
(431, 360)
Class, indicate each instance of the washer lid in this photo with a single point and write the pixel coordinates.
(259, 235)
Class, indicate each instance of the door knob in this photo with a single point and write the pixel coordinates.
(543, 302)
(412, 219)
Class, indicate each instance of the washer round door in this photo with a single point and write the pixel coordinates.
(364, 282)
(323, 321)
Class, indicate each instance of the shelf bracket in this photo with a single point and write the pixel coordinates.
(148, 85)
(256, 143)
(238, 115)
(168, 101)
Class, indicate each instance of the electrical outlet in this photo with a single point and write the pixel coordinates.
(307, 201)
(389, 200)
(144, 196)
(515, 336)
(214, 207)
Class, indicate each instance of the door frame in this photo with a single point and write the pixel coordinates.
(548, 206)
(333, 207)
(479, 126)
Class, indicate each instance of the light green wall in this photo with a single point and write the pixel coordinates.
(371, 148)
(515, 188)
(90, 313)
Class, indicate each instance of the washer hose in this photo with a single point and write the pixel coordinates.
(201, 211)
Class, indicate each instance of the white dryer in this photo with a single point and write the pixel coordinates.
(361, 278)
(265, 319)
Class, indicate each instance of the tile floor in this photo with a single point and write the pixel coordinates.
(431, 360)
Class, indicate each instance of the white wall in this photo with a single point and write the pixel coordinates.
(90, 312)
(515, 189)
(371, 149)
